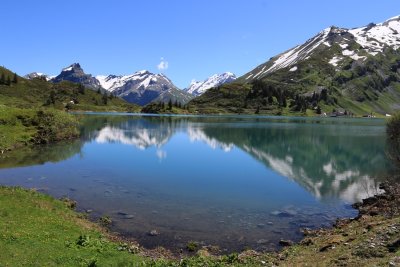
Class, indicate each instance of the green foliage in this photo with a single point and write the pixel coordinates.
(393, 134)
(38, 230)
(53, 125)
(37, 93)
(356, 86)
(192, 246)
(20, 127)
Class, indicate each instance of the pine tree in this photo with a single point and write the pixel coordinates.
(81, 89)
(2, 79)
(15, 78)
(170, 104)
(105, 98)
(8, 81)
(98, 91)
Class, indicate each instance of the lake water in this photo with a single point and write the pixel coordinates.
(235, 182)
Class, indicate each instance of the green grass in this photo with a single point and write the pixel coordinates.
(20, 127)
(37, 230)
(39, 93)
(33, 111)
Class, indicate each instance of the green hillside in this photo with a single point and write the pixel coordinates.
(33, 111)
(40, 93)
(353, 87)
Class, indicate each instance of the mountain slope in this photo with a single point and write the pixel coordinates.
(37, 92)
(337, 71)
(356, 44)
(74, 73)
(197, 88)
(143, 87)
(34, 75)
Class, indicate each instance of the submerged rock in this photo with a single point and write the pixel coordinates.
(285, 243)
(153, 233)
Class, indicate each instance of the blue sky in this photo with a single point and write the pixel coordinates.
(192, 39)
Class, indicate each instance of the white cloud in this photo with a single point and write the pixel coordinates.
(163, 65)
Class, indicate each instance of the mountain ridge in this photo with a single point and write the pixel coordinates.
(197, 88)
(338, 71)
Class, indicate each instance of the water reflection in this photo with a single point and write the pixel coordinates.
(330, 159)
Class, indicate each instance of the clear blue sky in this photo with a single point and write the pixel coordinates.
(197, 38)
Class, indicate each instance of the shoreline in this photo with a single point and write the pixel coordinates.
(378, 215)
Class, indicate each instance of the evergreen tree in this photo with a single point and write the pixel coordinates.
(8, 81)
(105, 98)
(257, 110)
(284, 103)
(98, 91)
(52, 97)
(81, 89)
(176, 103)
(170, 104)
(319, 110)
(2, 79)
(15, 78)
(162, 105)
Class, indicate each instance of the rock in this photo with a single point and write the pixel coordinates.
(89, 211)
(129, 216)
(270, 223)
(153, 233)
(325, 248)
(275, 213)
(262, 241)
(122, 213)
(203, 253)
(307, 242)
(285, 243)
(284, 213)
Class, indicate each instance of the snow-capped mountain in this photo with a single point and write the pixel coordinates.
(34, 75)
(143, 87)
(197, 88)
(74, 73)
(355, 43)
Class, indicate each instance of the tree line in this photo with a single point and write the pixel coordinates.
(7, 80)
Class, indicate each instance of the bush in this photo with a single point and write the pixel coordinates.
(54, 125)
(393, 139)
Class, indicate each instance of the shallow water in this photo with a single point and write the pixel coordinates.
(235, 182)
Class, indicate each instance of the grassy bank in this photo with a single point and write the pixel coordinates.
(41, 231)
(19, 127)
(37, 230)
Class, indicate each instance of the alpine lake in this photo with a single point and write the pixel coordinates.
(235, 182)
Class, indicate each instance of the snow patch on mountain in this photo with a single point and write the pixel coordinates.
(372, 38)
(112, 82)
(199, 87)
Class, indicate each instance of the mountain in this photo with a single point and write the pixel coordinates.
(352, 71)
(355, 44)
(39, 93)
(34, 75)
(143, 87)
(74, 73)
(197, 88)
